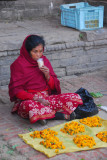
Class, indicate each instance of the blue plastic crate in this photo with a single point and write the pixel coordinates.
(82, 16)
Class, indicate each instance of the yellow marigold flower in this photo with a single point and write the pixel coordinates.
(43, 134)
(31, 135)
(57, 151)
(51, 141)
(73, 128)
(84, 140)
(102, 136)
(91, 121)
(63, 147)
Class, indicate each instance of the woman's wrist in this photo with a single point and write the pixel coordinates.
(48, 78)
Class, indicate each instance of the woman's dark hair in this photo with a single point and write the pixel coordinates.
(33, 41)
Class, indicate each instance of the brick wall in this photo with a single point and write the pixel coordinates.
(28, 9)
(31, 9)
(67, 59)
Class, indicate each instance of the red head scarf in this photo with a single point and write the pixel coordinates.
(26, 75)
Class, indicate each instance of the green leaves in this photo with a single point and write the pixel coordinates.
(13, 147)
(29, 129)
(11, 150)
(99, 105)
(96, 95)
(81, 35)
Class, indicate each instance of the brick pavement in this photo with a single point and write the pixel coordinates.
(13, 148)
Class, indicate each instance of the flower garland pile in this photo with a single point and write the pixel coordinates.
(51, 141)
(84, 141)
(102, 136)
(91, 121)
(73, 128)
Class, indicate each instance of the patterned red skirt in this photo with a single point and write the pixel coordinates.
(65, 103)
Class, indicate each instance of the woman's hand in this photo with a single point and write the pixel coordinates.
(41, 100)
(45, 70)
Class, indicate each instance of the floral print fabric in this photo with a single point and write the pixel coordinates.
(35, 111)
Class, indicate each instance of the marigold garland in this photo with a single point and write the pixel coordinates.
(73, 128)
(51, 141)
(84, 141)
(91, 121)
(102, 136)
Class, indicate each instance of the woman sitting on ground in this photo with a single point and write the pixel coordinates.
(36, 90)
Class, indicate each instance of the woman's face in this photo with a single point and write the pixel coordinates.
(37, 52)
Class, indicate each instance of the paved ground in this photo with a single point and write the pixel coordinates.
(13, 148)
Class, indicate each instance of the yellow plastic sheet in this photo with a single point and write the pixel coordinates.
(67, 140)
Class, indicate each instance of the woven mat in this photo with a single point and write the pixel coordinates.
(67, 140)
